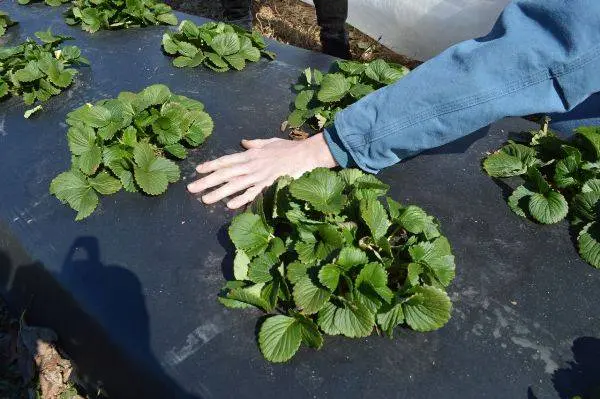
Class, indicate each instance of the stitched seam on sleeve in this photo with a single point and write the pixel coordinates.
(481, 98)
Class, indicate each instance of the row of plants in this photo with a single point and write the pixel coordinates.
(94, 15)
(37, 71)
(561, 179)
(51, 3)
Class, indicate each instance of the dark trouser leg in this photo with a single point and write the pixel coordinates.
(331, 16)
(238, 12)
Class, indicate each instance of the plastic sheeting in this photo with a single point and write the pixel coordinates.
(420, 29)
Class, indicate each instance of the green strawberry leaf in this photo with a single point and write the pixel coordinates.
(512, 160)
(152, 173)
(226, 44)
(354, 320)
(73, 189)
(427, 309)
(333, 88)
(548, 208)
(329, 276)
(375, 276)
(350, 257)
(519, 201)
(310, 332)
(303, 98)
(259, 269)
(82, 142)
(309, 297)
(251, 295)
(586, 205)
(591, 185)
(389, 317)
(589, 244)
(590, 135)
(105, 184)
(279, 338)
(375, 216)
(321, 188)
(566, 172)
(250, 234)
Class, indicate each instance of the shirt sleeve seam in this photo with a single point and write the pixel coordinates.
(357, 160)
(481, 98)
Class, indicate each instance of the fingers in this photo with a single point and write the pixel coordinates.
(217, 177)
(258, 143)
(222, 162)
(232, 187)
(247, 197)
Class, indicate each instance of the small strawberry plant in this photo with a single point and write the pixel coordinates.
(5, 22)
(94, 15)
(38, 71)
(51, 3)
(326, 254)
(320, 96)
(561, 180)
(217, 46)
(126, 143)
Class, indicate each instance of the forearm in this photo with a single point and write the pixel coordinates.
(542, 56)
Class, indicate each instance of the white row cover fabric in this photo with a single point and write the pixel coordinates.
(420, 29)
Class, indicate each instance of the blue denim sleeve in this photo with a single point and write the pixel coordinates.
(542, 56)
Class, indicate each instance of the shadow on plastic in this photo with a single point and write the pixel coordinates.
(113, 295)
(581, 377)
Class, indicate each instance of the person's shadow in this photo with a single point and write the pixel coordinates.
(123, 368)
(582, 376)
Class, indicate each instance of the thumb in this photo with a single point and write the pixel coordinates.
(258, 143)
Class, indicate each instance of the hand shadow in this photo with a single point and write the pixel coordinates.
(582, 376)
(102, 322)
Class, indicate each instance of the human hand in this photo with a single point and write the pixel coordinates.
(258, 167)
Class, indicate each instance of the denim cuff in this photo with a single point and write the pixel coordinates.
(337, 148)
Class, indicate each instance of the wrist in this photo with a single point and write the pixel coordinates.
(321, 152)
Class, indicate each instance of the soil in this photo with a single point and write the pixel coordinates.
(295, 22)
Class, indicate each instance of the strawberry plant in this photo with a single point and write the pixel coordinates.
(320, 96)
(51, 3)
(5, 22)
(126, 142)
(94, 15)
(561, 180)
(217, 46)
(38, 71)
(324, 254)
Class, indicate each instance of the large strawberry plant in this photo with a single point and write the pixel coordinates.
(321, 96)
(326, 254)
(126, 142)
(5, 22)
(561, 180)
(218, 46)
(38, 71)
(94, 15)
